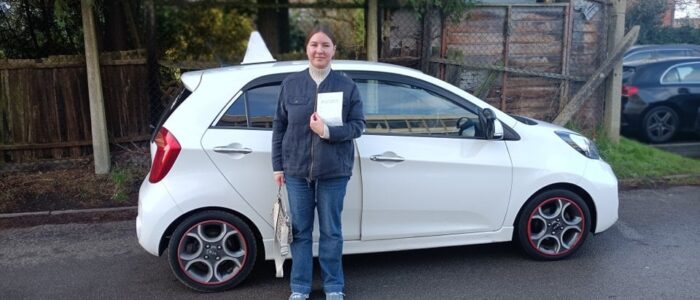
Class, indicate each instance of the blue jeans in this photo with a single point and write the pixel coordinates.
(327, 196)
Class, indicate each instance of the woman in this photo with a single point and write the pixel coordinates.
(314, 159)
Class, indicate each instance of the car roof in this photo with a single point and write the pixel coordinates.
(661, 47)
(191, 79)
(659, 61)
(343, 65)
(225, 75)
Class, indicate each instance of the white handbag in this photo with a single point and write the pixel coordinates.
(283, 233)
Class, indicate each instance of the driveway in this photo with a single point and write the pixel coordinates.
(651, 253)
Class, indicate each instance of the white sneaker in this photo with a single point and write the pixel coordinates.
(335, 296)
(299, 296)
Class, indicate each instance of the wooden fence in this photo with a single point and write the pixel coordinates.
(44, 107)
(524, 59)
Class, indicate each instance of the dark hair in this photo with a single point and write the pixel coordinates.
(320, 28)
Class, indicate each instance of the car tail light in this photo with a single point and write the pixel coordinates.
(629, 91)
(166, 154)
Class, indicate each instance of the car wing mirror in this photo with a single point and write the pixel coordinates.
(497, 130)
(487, 120)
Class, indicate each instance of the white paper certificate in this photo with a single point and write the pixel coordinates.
(329, 107)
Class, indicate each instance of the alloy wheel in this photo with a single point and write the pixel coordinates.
(556, 226)
(553, 225)
(212, 252)
(660, 124)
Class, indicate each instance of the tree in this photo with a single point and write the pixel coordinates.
(39, 28)
(452, 9)
(648, 15)
(205, 33)
(35, 28)
(273, 25)
(347, 24)
(120, 30)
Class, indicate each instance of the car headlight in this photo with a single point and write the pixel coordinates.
(580, 143)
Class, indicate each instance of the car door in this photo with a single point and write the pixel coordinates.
(682, 82)
(421, 176)
(240, 141)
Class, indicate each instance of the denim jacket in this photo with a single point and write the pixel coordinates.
(296, 149)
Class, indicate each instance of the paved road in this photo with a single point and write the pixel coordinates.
(653, 252)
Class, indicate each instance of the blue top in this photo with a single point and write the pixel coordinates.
(296, 149)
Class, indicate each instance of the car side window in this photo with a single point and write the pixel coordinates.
(693, 75)
(671, 76)
(688, 73)
(403, 109)
(255, 108)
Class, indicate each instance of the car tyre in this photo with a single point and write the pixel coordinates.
(553, 225)
(660, 124)
(212, 251)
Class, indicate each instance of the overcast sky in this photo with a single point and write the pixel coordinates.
(691, 10)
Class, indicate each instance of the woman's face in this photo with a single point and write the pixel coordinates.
(320, 50)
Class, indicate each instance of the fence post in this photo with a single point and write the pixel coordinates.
(613, 95)
(506, 53)
(565, 85)
(152, 66)
(100, 142)
(426, 38)
(372, 31)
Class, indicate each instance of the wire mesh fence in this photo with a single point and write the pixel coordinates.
(522, 59)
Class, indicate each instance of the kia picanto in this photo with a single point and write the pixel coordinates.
(435, 167)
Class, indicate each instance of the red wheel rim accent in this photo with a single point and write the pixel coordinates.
(544, 203)
(244, 247)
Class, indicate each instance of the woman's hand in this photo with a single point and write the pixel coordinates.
(279, 178)
(317, 124)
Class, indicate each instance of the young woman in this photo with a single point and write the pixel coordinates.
(314, 158)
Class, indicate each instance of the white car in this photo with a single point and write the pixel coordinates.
(435, 167)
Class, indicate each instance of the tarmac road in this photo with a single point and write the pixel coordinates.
(651, 253)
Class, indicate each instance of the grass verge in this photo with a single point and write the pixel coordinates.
(632, 160)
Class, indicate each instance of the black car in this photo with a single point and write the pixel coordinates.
(661, 97)
(646, 52)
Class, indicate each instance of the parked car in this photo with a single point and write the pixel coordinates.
(647, 52)
(661, 98)
(435, 167)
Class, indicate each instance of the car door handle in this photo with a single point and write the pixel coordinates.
(683, 91)
(386, 158)
(228, 149)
